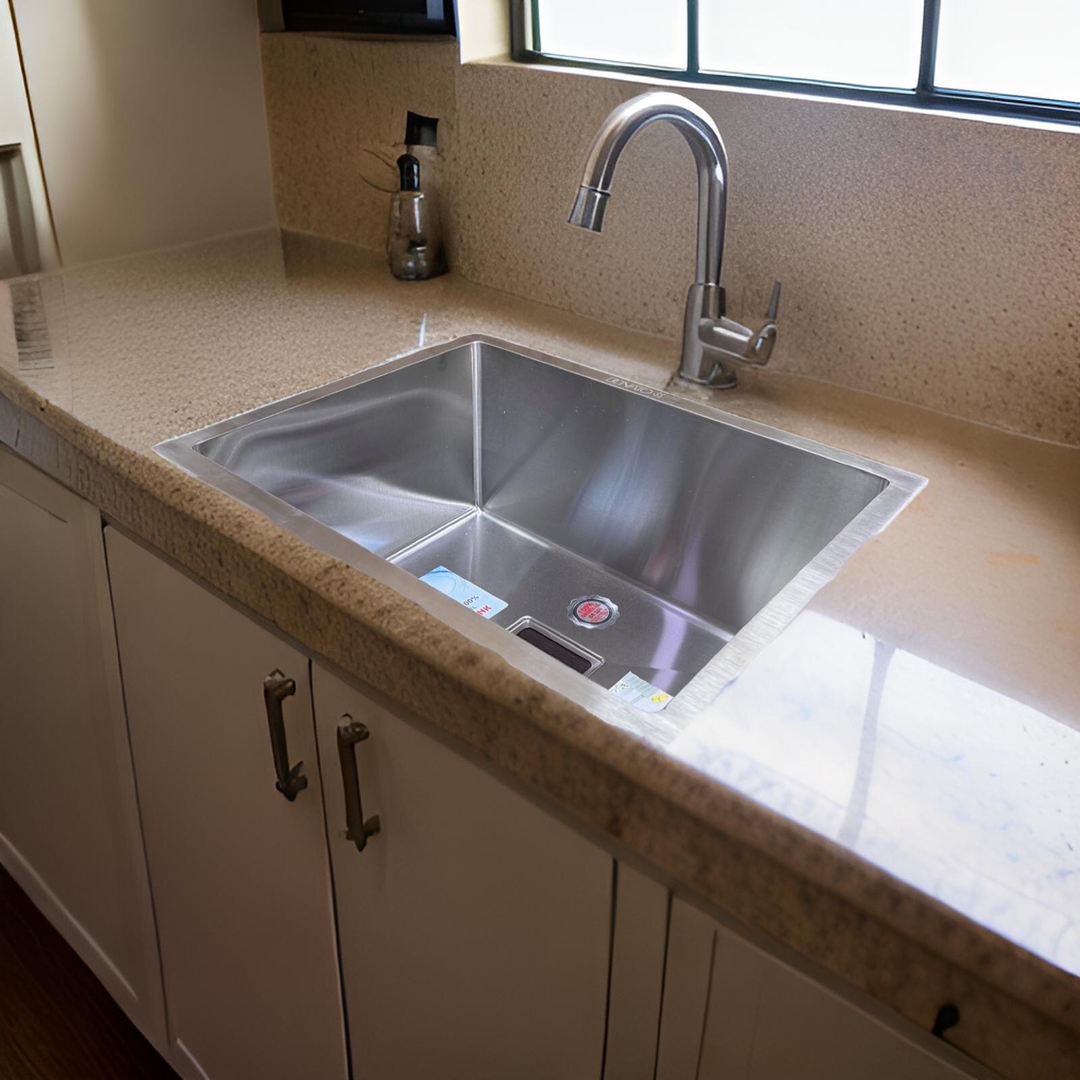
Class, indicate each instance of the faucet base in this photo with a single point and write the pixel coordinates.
(720, 378)
(703, 302)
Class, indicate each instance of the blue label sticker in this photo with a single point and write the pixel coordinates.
(464, 592)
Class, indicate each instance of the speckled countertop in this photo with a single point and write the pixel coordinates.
(890, 788)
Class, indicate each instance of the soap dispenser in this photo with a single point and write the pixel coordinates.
(414, 245)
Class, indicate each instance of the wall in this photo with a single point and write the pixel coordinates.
(929, 258)
(336, 110)
(17, 128)
(150, 119)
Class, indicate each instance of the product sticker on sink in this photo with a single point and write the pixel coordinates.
(635, 690)
(464, 592)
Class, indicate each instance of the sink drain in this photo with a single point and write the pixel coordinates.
(593, 612)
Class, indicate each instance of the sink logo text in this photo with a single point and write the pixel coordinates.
(637, 388)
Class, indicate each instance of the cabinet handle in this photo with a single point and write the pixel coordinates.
(276, 688)
(357, 829)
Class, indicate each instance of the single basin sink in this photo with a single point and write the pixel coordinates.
(616, 527)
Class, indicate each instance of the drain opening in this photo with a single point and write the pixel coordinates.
(556, 646)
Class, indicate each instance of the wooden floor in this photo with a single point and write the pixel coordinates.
(56, 1020)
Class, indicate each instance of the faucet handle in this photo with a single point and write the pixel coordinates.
(774, 303)
(725, 340)
(762, 343)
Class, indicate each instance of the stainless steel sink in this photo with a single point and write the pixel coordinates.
(625, 530)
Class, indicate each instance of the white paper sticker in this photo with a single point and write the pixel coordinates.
(635, 690)
(464, 592)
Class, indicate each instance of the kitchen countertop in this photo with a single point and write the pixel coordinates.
(890, 788)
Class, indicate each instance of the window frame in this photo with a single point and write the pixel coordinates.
(527, 48)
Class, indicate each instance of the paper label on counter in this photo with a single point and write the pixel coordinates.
(464, 592)
(636, 691)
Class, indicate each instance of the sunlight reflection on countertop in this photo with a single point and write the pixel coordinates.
(950, 786)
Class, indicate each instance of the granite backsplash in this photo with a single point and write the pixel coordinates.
(928, 258)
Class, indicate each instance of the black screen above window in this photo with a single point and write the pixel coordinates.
(371, 16)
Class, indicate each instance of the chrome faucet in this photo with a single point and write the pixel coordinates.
(711, 341)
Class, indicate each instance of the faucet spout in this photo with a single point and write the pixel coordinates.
(588, 208)
(700, 132)
(710, 339)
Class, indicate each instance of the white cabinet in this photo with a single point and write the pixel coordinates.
(479, 935)
(474, 927)
(69, 828)
(732, 1012)
(239, 872)
(638, 945)
(687, 975)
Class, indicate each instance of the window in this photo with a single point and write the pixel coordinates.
(976, 55)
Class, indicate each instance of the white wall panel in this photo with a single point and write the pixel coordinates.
(150, 120)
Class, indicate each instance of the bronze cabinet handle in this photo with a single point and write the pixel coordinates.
(349, 733)
(290, 781)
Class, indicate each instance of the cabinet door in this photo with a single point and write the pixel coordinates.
(732, 1012)
(638, 944)
(69, 826)
(474, 927)
(240, 874)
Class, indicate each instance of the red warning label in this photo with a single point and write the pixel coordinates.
(592, 611)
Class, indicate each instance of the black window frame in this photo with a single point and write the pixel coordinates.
(526, 47)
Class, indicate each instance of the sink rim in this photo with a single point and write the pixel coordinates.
(901, 487)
